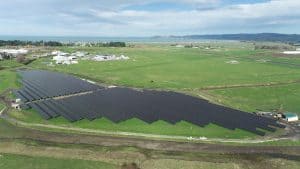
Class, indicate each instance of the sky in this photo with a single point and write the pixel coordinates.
(125, 18)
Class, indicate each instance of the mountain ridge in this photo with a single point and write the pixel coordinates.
(291, 38)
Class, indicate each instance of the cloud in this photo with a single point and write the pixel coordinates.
(114, 18)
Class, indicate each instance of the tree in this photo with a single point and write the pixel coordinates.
(6, 56)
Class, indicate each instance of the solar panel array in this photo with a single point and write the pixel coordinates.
(38, 84)
(119, 104)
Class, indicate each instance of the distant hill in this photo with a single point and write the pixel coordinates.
(290, 38)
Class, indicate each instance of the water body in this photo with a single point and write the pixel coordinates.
(108, 39)
(120, 104)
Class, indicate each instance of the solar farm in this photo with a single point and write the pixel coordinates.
(39, 85)
(189, 103)
(56, 94)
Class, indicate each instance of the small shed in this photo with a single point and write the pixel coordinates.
(15, 105)
(290, 117)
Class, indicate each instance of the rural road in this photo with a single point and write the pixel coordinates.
(14, 121)
(161, 145)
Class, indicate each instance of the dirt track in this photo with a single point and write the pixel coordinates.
(250, 85)
(43, 136)
(160, 145)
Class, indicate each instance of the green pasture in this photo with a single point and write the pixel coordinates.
(282, 98)
(190, 70)
(9, 64)
(168, 67)
(8, 79)
(137, 126)
(12, 161)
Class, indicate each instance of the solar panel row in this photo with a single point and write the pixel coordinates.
(39, 84)
(119, 104)
(50, 109)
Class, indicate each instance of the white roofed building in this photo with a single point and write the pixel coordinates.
(12, 52)
(296, 52)
(80, 54)
(65, 60)
(109, 57)
(59, 53)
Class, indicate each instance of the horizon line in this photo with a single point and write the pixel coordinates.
(149, 35)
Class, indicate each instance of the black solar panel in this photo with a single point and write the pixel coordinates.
(26, 95)
(37, 90)
(49, 111)
(44, 84)
(42, 112)
(120, 104)
(63, 111)
(25, 106)
(20, 96)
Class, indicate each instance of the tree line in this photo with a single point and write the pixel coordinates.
(104, 44)
(55, 43)
(29, 43)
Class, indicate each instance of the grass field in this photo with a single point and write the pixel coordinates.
(178, 68)
(138, 126)
(51, 155)
(189, 70)
(192, 70)
(7, 80)
(9, 64)
(285, 97)
(172, 164)
(11, 161)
